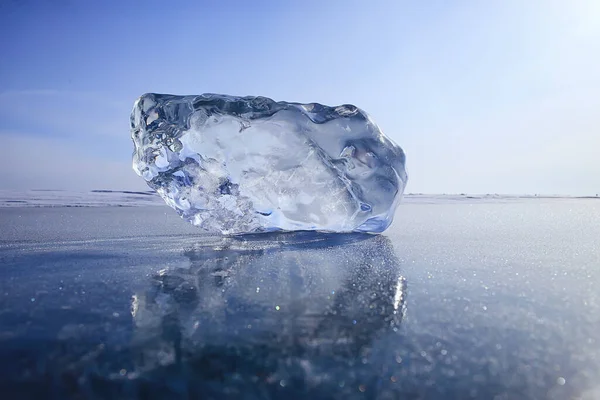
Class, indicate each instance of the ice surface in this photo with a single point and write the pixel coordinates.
(115, 302)
(65, 198)
(250, 164)
(101, 198)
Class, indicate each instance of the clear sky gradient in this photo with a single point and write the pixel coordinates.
(499, 96)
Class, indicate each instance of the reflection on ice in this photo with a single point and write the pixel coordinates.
(277, 311)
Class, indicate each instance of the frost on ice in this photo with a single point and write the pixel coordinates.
(237, 165)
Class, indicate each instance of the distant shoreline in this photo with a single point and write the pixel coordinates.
(129, 198)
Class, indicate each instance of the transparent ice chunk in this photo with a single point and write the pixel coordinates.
(237, 165)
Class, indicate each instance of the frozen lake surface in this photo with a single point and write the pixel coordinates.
(470, 298)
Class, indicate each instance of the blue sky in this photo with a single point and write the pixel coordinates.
(484, 96)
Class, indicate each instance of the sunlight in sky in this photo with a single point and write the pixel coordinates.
(484, 97)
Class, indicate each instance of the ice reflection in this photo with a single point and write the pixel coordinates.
(277, 311)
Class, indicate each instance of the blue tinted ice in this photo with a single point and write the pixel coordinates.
(238, 165)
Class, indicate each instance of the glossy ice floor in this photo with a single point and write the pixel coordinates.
(491, 300)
